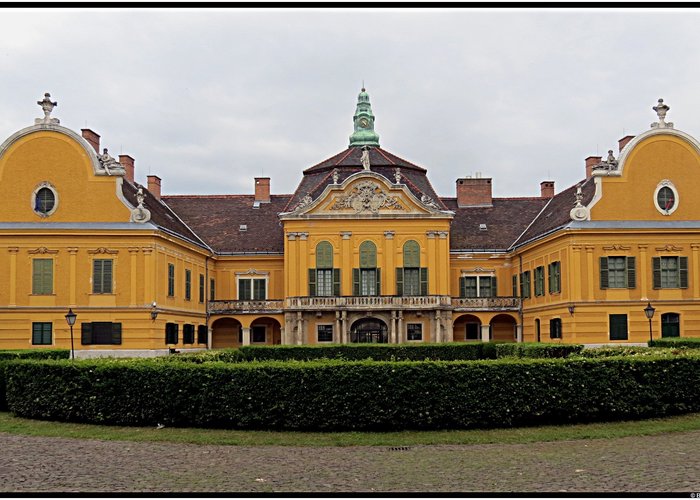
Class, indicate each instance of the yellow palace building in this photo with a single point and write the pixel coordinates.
(364, 250)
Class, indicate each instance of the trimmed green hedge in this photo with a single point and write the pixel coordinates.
(692, 342)
(350, 352)
(537, 350)
(9, 355)
(366, 395)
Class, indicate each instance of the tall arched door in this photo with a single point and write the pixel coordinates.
(671, 325)
(369, 330)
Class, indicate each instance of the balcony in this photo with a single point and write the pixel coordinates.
(486, 304)
(367, 303)
(245, 306)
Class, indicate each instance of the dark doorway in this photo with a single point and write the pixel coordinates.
(671, 325)
(473, 331)
(369, 331)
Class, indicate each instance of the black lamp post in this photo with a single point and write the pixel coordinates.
(70, 319)
(649, 313)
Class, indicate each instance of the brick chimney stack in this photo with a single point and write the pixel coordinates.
(262, 190)
(128, 163)
(154, 186)
(547, 189)
(93, 138)
(591, 162)
(474, 191)
(623, 142)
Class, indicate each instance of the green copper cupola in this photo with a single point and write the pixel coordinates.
(364, 134)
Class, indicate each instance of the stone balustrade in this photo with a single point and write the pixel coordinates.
(245, 306)
(368, 303)
(486, 304)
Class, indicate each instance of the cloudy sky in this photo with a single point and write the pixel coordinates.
(210, 98)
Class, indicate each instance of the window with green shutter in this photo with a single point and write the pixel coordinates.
(367, 279)
(41, 333)
(477, 286)
(102, 275)
(618, 272)
(171, 333)
(670, 272)
(42, 276)
(525, 284)
(171, 280)
(252, 289)
(554, 277)
(515, 285)
(539, 281)
(188, 334)
(618, 327)
(188, 284)
(212, 289)
(411, 279)
(324, 280)
(555, 328)
(101, 332)
(201, 288)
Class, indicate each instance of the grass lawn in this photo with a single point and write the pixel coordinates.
(14, 425)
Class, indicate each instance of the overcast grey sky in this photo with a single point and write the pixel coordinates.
(210, 98)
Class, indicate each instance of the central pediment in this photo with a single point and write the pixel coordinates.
(366, 195)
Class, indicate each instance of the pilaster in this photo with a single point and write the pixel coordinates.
(389, 284)
(13, 275)
(72, 278)
(133, 255)
(642, 269)
(346, 265)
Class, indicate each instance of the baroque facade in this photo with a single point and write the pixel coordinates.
(364, 250)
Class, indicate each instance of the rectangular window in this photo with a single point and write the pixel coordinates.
(525, 285)
(42, 276)
(617, 272)
(515, 285)
(188, 334)
(539, 281)
(470, 288)
(171, 333)
(41, 333)
(477, 286)
(251, 289)
(101, 332)
(414, 331)
(201, 288)
(324, 282)
(368, 282)
(555, 328)
(212, 289)
(202, 334)
(670, 272)
(555, 277)
(171, 280)
(618, 327)
(258, 334)
(102, 275)
(325, 333)
(188, 284)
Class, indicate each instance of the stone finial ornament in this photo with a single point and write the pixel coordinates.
(661, 110)
(397, 175)
(579, 212)
(336, 176)
(47, 107)
(140, 214)
(365, 157)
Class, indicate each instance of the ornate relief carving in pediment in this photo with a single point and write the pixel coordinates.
(367, 196)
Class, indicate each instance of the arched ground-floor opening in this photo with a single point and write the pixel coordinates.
(369, 330)
(504, 328)
(265, 331)
(225, 333)
(467, 328)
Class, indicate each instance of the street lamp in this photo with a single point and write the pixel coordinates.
(70, 319)
(154, 311)
(649, 313)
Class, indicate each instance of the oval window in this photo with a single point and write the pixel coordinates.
(666, 197)
(44, 201)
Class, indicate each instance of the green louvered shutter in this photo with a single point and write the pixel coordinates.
(494, 287)
(424, 281)
(604, 275)
(324, 255)
(656, 271)
(411, 254)
(336, 282)
(42, 276)
(631, 272)
(312, 282)
(399, 281)
(356, 282)
(683, 271)
(86, 333)
(116, 333)
(379, 282)
(515, 286)
(462, 286)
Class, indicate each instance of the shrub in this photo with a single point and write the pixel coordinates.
(606, 352)
(362, 395)
(9, 355)
(692, 342)
(537, 350)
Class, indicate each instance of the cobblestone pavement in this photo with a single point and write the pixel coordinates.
(661, 463)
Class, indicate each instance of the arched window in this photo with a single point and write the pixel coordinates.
(367, 279)
(324, 280)
(411, 279)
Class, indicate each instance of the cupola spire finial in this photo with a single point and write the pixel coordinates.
(364, 134)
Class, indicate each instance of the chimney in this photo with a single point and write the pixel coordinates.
(262, 190)
(623, 142)
(591, 162)
(154, 186)
(547, 189)
(92, 137)
(128, 163)
(474, 191)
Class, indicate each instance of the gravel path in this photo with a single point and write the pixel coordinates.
(661, 463)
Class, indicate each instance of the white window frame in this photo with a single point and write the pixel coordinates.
(50, 187)
(252, 274)
(666, 183)
(478, 285)
(332, 333)
(422, 330)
